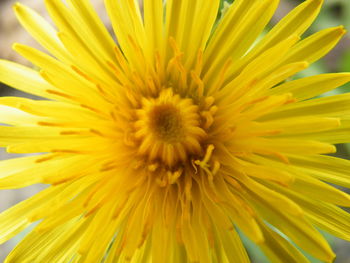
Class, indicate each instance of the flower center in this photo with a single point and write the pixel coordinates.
(168, 129)
(166, 123)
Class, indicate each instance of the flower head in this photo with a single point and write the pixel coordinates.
(158, 148)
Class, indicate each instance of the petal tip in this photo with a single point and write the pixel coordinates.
(16, 6)
(341, 29)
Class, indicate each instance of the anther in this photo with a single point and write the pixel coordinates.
(173, 176)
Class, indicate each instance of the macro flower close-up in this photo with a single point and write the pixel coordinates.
(169, 139)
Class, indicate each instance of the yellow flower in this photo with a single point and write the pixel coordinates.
(158, 148)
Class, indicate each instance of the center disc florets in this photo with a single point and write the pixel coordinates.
(168, 129)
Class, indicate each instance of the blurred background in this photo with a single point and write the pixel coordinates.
(335, 12)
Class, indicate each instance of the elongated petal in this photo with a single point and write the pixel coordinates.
(315, 46)
(296, 22)
(42, 31)
(128, 26)
(97, 32)
(326, 168)
(239, 31)
(153, 19)
(326, 216)
(70, 26)
(190, 24)
(334, 106)
(60, 72)
(233, 246)
(278, 249)
(24, 79)
(301, 125)
(297, 228)
(15, 219)
(310, 87)
(59, 243)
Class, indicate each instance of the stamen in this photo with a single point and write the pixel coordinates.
(159, 67)
(121, 60)
(222, 76)
(129, 139)
(97, 132)
(153, 167)
(208, 154)
(46, 158)
(173, 176)
(183, 73)
(174, 46)
(137, 81)
(50, 124)
(197, 81)
(199, 63)
(81, 73)
(70, 133)
(162, 180)
(132, 98)
(208, 119)
(91, 108)
(61, 94)
(119, 73)
(66, 151)
(209, 101)
(216, 167)
(151, 86)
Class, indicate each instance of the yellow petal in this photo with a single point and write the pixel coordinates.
(92, 58)
(128, 27)
(63, 76)
(326, 216)
(278, 249)
(93, 27)
(190, 24)
(57, 245)
(271, 197)
(315, 46)
(300, 125)
(34, 171)
(240, 213)
(313, 188)
(153, 19)
(11, 166)
(25, 79)
(15, 219)
(310, 87)
(12, 116)
(294, 23)
(326, 168)
(42, 31)
(337, 135)
(266, 172)
(100, 245)
(232, 245)
(48, 110)
(295, 227)
(239, 29)
(279, 75)
(245, 83)
(308, 186)
(59, 145)
(333, 106)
